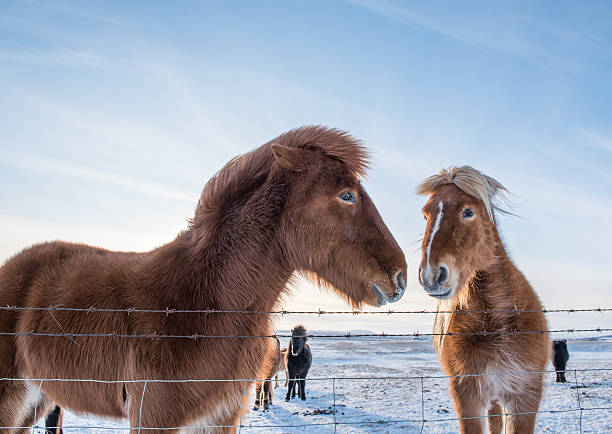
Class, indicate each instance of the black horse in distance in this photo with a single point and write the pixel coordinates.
(299, 359)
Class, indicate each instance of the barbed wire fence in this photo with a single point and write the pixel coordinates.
(580, 409)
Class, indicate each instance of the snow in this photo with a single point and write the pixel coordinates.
(400, 404)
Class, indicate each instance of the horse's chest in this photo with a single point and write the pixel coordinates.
(504, 378)
(498, 372)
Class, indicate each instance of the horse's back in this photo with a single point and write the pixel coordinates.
(22, 272)
(19, 272)
(70, 276)
(53, 273)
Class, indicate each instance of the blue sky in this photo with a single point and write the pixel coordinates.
(114, 115)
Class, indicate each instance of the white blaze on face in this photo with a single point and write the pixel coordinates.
(428, 274)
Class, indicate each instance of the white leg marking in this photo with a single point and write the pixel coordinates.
(30, 401)
(428, 274)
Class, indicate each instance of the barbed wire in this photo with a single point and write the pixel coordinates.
(351, 378)
(345, 335)
(331, 423)
(170, 311)
(339, 335)
(335, 422)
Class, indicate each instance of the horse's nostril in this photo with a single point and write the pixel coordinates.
(401, 282)
(442, 275)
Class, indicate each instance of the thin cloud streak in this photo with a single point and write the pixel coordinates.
(61, 56)
(498, 36)
(468, 37)
(598, 139)
(62, 168)
(65, 9)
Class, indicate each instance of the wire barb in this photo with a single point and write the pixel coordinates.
(282, 312)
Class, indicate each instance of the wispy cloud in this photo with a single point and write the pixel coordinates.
(63, 168)
(598, 139)
(60, 56)
(463, 34)
(43, 32)
(519, 35)
(60, 7)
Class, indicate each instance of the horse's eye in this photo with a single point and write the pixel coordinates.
(347, 196)
(468, 213)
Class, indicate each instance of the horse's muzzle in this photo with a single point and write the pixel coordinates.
(399, 285)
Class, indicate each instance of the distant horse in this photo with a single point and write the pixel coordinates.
(264, 393)
(466, 267)
(560, 358)
(295, 204)
(299, 359)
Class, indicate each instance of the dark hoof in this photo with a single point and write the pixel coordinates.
(287, 399)
(255, 408)
(303, 398)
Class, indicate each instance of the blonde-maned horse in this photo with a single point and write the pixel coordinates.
(465, 266)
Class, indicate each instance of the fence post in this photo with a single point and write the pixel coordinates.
(504, 408)
(334, 409)
(242, 408)
(578, 396)
(36, 406)
(140, 411)
(422, 405)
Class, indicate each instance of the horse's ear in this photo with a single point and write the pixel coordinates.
(289, 158)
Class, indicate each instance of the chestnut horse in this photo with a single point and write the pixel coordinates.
(295, 204)
(466, 267)
(264, 392)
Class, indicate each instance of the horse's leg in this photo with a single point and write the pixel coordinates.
(559, 377)
(18, 401)
(290, 386)
(266, 395)
(151, 413)
(525, 407)
(496, 423)
(37, 409)
(303, 389)
(257, 395)
(562, 375)
(469, 405)
(12, 393)
(296, 386)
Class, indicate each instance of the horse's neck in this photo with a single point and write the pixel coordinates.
(486, 290)
(494, 287)
(237, 264)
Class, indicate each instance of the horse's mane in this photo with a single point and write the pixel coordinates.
(247, 171)
(298, 330)
(472, 182)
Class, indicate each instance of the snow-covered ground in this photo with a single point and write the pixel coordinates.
(400, 404)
